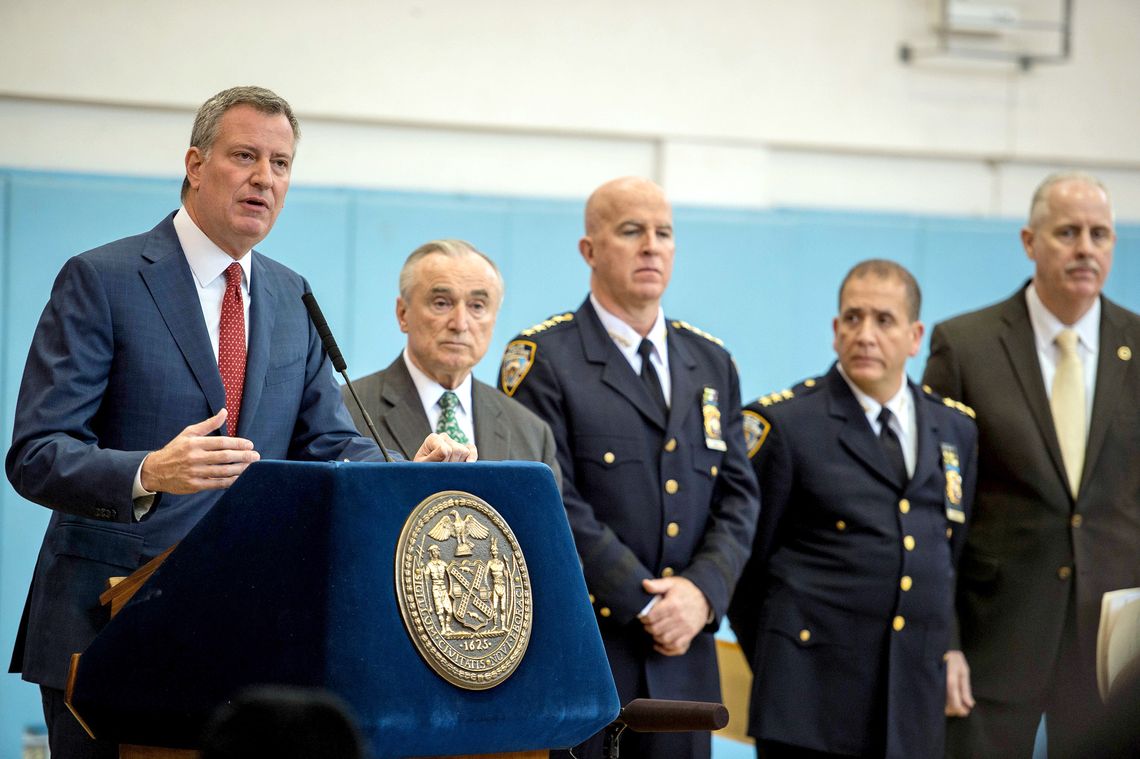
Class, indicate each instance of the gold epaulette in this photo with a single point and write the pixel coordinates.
(547, 324)
(958, 406)
(777, 397)
(678, 324)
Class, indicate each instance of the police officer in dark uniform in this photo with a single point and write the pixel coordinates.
(658, 490)
(844, 610)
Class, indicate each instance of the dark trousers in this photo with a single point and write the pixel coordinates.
(645, 746)
(67, 738)
(1071, 706)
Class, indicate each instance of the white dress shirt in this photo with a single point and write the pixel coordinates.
(904, 421)
(1046, 327)
(627, 341)
(430, 392)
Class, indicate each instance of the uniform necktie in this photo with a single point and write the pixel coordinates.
(447, 421)
(1068, 406)
(649, 376)
(231, 346)
(892, 448)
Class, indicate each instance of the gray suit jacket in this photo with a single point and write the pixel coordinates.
(504, 428)
(1030, 543)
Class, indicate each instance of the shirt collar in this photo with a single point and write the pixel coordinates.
(899, 403)
(1046, 326)
(429, 390)
(207, 261)
(626, 337)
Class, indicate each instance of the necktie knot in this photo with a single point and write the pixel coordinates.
(1067, 341)
(448, 421)
(885, 417)
(233, 275)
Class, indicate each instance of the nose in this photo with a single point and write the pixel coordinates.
(865, 332)
(262, 176)
(459, 318)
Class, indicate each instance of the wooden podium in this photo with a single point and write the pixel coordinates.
(290, 580)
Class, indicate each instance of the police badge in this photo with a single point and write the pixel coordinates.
(463, 590)
(952, 468)
(710, 412)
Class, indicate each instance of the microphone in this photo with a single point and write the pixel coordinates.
(658, 715)
(338, 363)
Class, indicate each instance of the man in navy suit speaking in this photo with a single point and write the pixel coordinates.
(162, 367)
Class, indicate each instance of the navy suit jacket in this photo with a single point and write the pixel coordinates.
(645, 494)
(843, 619)
(120, 364)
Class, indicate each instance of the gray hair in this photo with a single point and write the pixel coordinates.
(209, 119)
(884, 269)
(1041, 194)
(450, 248)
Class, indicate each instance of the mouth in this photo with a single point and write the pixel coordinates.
(255, 203)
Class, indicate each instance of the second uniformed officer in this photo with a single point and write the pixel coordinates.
(845, 610)
(646, 418)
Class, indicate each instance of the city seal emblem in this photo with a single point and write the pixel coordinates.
(463, 590)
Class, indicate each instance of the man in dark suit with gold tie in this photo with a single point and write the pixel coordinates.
(1050, 372)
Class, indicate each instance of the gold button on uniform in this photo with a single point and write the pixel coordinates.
(671, 486)
(608, 457)
(592, 599)
(673, 529)
(713, 470)
(905, 583)
(667, 572)
(1077, 520)
(949, 532)
(805, 635)
(671, 445)
(1064, 573)
(908, 542)
(604, 611)
(898, 623)
(841, 525)
(904, 506)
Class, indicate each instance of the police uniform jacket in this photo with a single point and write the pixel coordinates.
(844, 610)
(646, 495)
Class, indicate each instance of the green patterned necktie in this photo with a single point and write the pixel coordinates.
(447, 421)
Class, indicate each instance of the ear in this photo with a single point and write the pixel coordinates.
(401, 314)
(835, 335)
(194, 161)
(1027, 237)
(919, 329)
(586, 248)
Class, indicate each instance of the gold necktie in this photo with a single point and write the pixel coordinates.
(1068, 406)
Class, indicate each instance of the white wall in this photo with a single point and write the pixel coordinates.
(729, 102)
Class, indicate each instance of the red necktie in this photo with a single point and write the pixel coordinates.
(231, 346)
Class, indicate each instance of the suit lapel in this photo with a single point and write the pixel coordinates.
(1021, 348)
(404, 419)
(262, 314)
(928, 458)
(1112, 372)
(598, 348)
(491, 436)
(682, 377)
(855, 434)
(171, 285)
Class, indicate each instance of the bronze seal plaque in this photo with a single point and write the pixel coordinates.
(463, 589)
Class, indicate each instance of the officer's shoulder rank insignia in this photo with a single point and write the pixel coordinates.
(546, 324)
(678, 324)
(756, 430)
(779, 396)
(518, 358)
(463, 590)
(958, 406)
